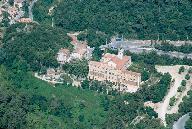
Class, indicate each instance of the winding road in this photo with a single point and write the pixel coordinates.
(180, 124)
(163, 107)
(139, 46)
(30, 7)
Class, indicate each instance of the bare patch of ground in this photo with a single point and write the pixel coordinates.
(163, 108)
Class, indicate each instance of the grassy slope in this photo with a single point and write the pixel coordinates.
(70, 95)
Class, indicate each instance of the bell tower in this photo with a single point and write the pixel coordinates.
(120, 53)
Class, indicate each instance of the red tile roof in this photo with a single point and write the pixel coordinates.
(120, 63)
(25, 20)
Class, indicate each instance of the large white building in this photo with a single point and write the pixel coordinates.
(113, 68)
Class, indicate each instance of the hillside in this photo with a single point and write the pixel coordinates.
(30, 49)
(143, 19)
(44, 106)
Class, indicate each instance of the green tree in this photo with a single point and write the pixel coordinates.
(81, 118)
(181, 89)
(185, 107)
(37, 47)
(85, 84)
(171, 118)
(172, 101)
(145, 20)
(11, 2)
(82, 37)
(13, 115)
(78, 68)
(187, 76)
(181, 69)
(156, 92)
(183, 83)
(40, 11)
(5, 21)
(2, 56)
(188, 124)
(145, 75)
(105, 103)
(190, 70)
(97, 54)
(151, 112)
(25, 8)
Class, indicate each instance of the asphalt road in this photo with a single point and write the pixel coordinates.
(30, 7)
(137, 46)
(180, 124)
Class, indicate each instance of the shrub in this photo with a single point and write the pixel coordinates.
(190, 70)
(172, 101)
(82, 37)
(145, 75)
(181, 89)
(181, 69)
(183, 83)
(187, 76)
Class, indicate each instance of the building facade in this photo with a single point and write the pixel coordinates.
(113, 68)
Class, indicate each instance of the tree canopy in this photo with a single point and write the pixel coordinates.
(38, 47)
(143, 19)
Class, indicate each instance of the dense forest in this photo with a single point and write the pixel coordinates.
(38, 45)
(141, 19)
(29, 103)
(65, 106)
(156, 93)
(32, 103)
(144, 19)
(39, 105)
